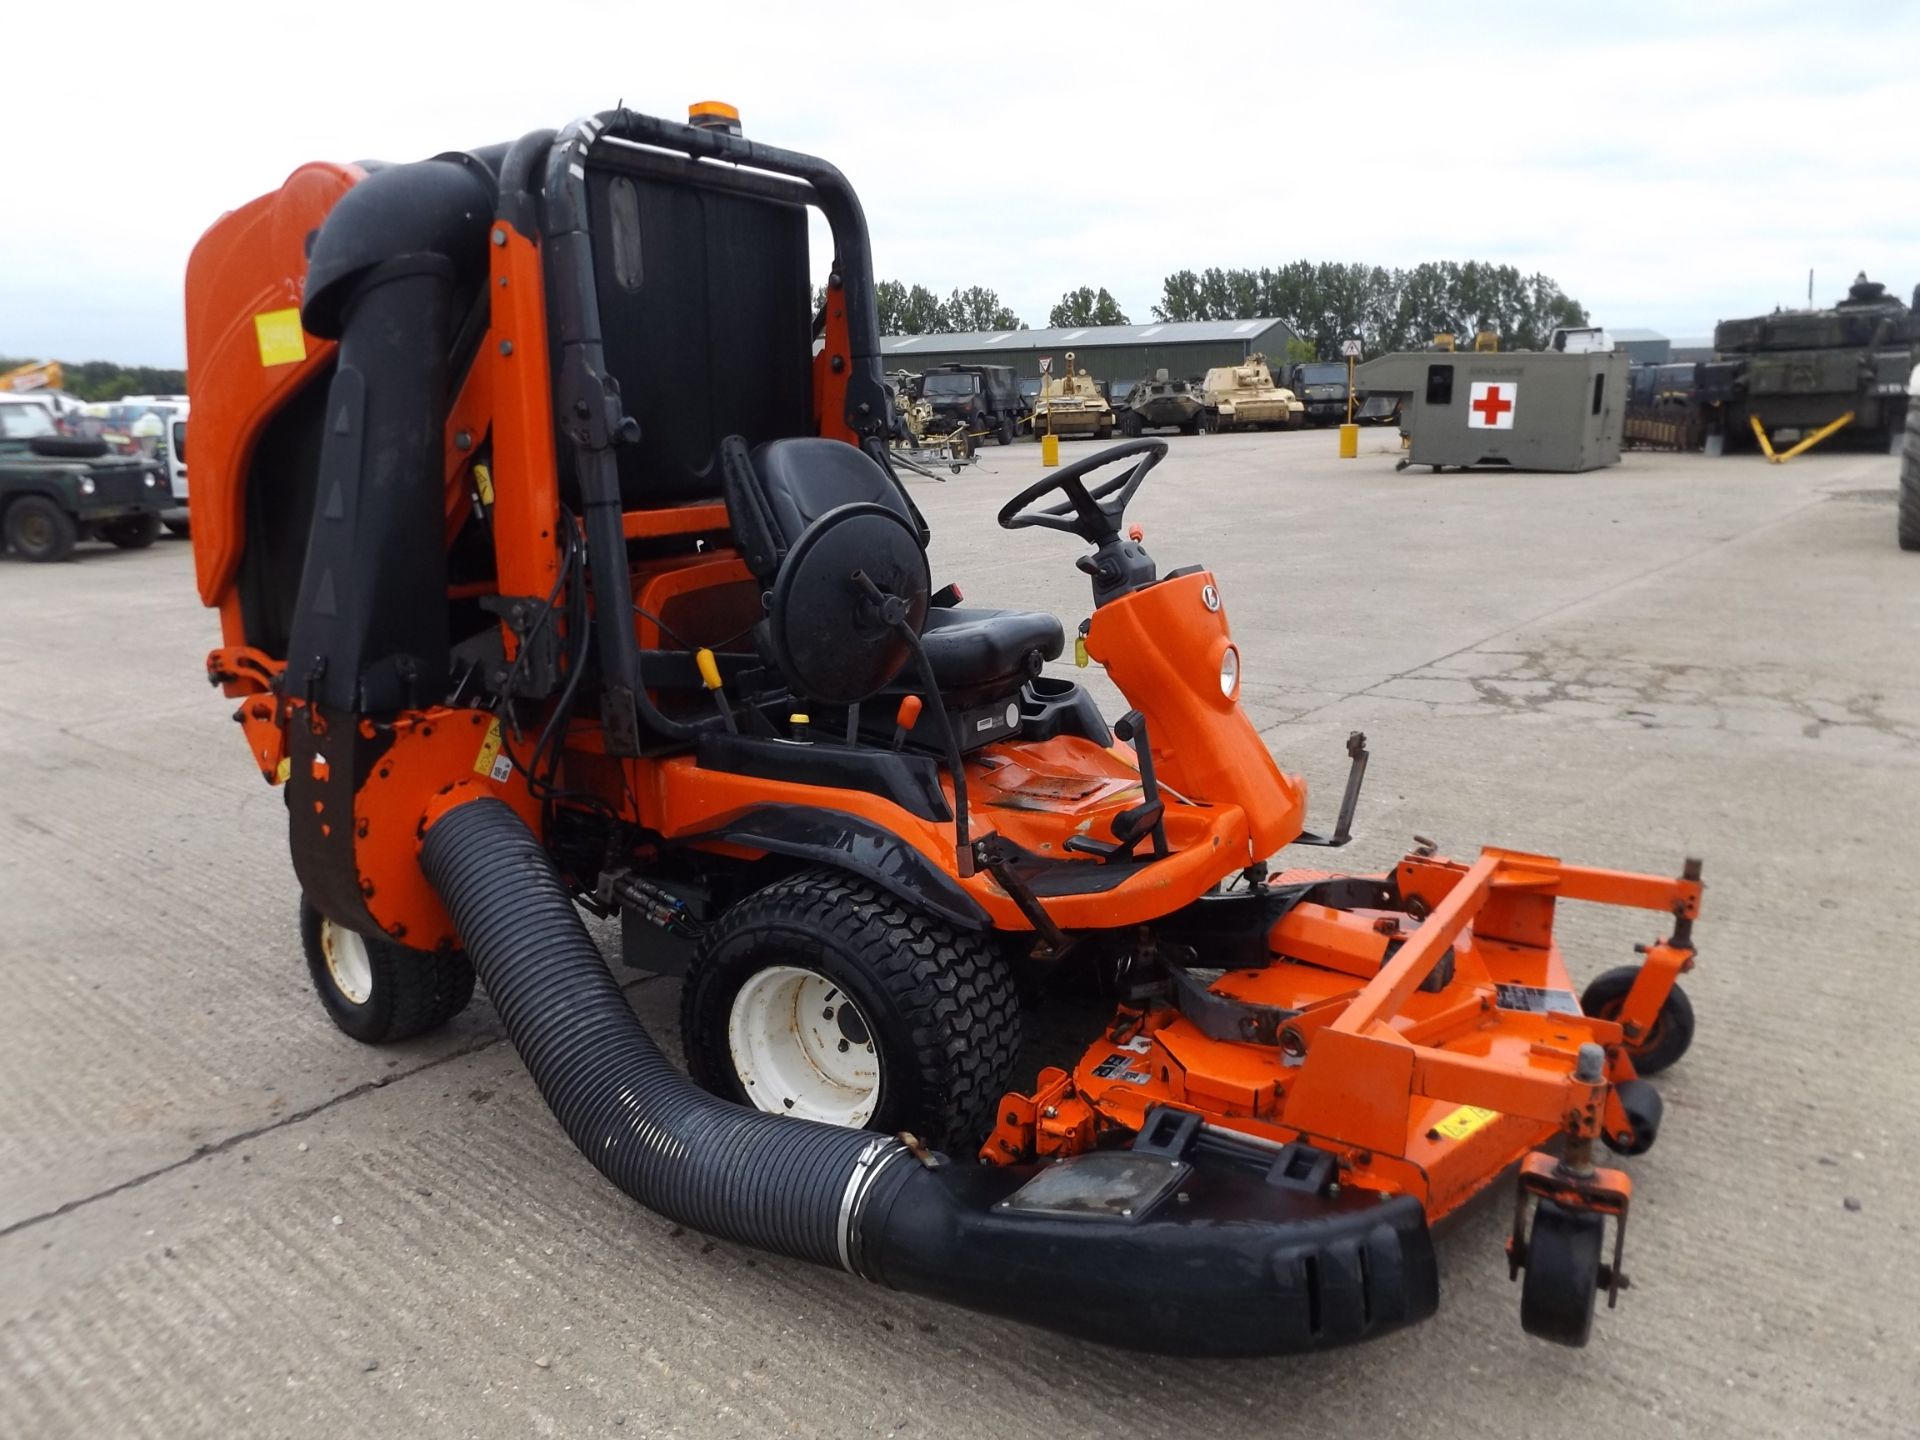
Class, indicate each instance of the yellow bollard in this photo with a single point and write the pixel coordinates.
(1049, 449)
(1349, 442)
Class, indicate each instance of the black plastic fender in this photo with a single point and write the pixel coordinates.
(847, 842)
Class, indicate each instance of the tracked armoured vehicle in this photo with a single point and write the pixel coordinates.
(1797, 371)
(1070, 403)
(1245, 397)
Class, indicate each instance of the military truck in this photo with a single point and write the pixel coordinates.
(1322, 387)
(917, 440)
(1244, 397)
(1796, 371)
(985, 399)
(1070, 403)
(56, 490)
(1160, 404)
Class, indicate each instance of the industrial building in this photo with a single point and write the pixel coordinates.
(1183, 349)
(1643, 347)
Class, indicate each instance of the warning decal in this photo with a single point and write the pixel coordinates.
(489, 761)
(1464, 1121)
(282, 341)
(1119, 1067)
(1534, 1000)
(1492, 405)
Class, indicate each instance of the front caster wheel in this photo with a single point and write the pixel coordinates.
(1643, 1107)
(1672, 1030)
(1562, 1275)
(823, 998)
(379, 992)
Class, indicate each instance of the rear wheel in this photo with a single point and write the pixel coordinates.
(826, 999)
(379, 992)
(182, 528)
(135, 532)
(39, 530)
(1005, 433)
(1672, 1030)
(1563, 1274)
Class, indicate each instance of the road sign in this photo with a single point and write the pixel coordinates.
(1350, 349)
(1491, 407)
(1046, 364)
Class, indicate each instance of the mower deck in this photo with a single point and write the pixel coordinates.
(1414, 1034)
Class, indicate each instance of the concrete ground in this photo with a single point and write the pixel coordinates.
(219, 1216)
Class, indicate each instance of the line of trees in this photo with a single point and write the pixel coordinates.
(104, 380)
(1325, 303)
(1385, 309)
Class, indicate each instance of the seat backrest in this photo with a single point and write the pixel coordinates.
(705, 318)
(778, 489)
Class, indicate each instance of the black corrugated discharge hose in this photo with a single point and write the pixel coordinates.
(793, 1187)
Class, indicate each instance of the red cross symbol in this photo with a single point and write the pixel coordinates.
(1492, 406)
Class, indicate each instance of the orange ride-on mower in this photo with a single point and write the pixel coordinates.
(560, 565)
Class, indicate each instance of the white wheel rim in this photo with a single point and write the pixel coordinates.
(801, 1047)
(347, 962)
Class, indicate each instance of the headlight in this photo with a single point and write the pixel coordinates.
(152, 480)
(86, 485)
(1229, 671)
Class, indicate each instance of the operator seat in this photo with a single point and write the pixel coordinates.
(782, 486)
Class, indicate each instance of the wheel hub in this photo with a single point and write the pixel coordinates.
(348, 962)
(801, 1047)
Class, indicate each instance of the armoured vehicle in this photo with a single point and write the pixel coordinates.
(1322, 388)
(1244, 397)
(1161, 403)
(985, 399)
(1800, 370)
(56, 490)
(1070, 403)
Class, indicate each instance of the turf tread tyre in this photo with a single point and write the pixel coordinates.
(1908, 522)
(414, 991)
(1672, 1028)
(37, 529)
(944, 997)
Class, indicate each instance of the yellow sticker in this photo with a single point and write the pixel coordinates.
(483, 484)
(282, 770)
(282, 341)
(489, 751)
(1464, 1121)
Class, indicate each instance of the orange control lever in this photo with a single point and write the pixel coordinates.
(904, 719)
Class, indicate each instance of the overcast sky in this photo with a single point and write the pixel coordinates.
(1668, 164)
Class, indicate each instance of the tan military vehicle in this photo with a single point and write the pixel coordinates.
(1070, 403)
(1244, 397)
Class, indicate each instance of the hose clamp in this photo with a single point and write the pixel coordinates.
(874, 1157)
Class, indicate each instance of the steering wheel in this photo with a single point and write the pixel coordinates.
(1083, 512)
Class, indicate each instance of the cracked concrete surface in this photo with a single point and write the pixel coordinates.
(219, 1216)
